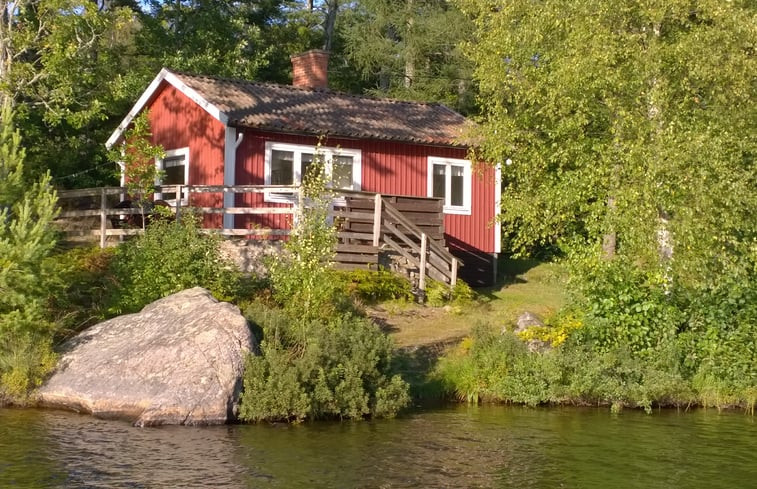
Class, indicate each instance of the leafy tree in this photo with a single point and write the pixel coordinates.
(301, 276)
(626, 132)
(26, 237)
(627, 119)
(136, 159)
(64, 67)
(408, 50)
(203, 36)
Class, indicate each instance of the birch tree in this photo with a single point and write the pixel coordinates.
(630, 119)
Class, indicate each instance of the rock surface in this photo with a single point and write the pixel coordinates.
(526, 320)
(529, 320)
(178, 361)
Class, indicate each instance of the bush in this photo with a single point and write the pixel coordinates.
(317, 370)
(24, 362)
(375, 286)
(718, 338)
(168, 258)
(489, 366)
(439, 294)
(80, 284)
(481, 362)
(624, 306)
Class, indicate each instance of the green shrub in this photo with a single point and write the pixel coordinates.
(479, 363)
(316, 370)
(373, 286)
(79, 283)
(168, 258)
(25, 360)
(718, 338)
(489, 366)
(624, 306)
(439, 294)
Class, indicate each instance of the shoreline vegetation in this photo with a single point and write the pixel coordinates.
(362, 347)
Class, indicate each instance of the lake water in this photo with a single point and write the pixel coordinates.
(451, 447)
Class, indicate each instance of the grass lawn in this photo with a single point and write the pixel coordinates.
(524, 285)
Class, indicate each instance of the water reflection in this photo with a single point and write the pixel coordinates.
(66, 450)
(468, 447)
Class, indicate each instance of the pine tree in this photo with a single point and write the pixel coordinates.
(26, 238)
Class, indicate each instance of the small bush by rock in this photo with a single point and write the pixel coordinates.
(168, 258)
(338, 369)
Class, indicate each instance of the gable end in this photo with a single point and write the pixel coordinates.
(144, 100)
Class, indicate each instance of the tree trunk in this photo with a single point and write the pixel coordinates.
(610, 239)
(409, 55)
(329, 23)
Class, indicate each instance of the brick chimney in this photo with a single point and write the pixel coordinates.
(310, 69)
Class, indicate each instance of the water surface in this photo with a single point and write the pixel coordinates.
(454, 447)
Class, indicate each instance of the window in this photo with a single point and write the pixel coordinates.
(175, 168)
(288, 164)
(450, 179)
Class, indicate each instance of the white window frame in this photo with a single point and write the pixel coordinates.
(464, 209)
(328, 153)
(172, 153)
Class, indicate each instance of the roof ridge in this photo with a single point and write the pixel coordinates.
(327, 91)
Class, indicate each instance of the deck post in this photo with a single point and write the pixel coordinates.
(103, 217)
(376, 220)
(179, 191)
(422, 281)
(453, 278)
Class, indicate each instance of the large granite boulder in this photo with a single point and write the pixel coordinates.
(178, 361)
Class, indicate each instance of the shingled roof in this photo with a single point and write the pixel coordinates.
(322, 112)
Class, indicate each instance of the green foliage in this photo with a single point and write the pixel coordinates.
(320, 370)
(80, 284)
(624, 306)
(301, 277)
(137, 155)
(373, 286)
(718, 337)
(67, 68)
(25, 359)
(207, 36)
(647, 105)
(632, 121)
(439, 294)
(168, 258)
(407, 50)
(26, 238)
(498, 367)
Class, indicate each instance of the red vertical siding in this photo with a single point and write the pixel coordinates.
(387, 167)
(178, 122)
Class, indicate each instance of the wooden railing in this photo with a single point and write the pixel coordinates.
(410, 226)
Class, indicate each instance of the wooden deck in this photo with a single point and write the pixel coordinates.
(368, 224)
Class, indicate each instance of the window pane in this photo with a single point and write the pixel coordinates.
(457, 186)
(282, 167)
(306, 164)
(173, 174)
(438, 182)
(342, 172)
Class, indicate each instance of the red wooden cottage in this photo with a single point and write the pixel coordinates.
(231, 132)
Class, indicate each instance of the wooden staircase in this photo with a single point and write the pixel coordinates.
(410, 228)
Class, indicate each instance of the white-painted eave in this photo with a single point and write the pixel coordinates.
(172, 79)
